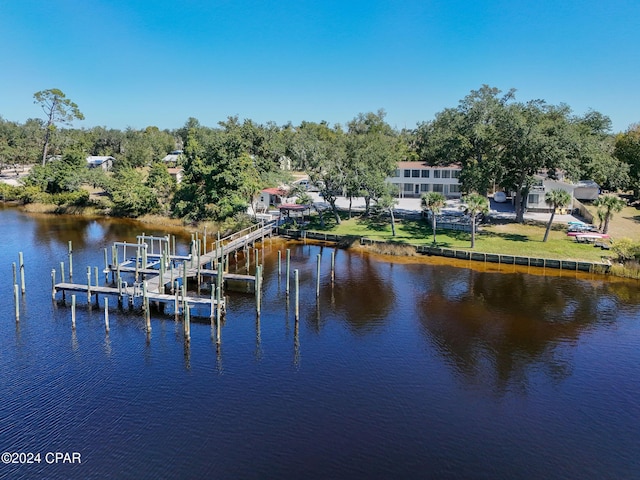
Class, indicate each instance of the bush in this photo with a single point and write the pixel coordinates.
(236, 223)
(33, 194)
(626, 249)
(78, 198)
(9, 192)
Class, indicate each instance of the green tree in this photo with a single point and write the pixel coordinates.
(372, 151)
(535, 138)
(386, 203)
(64, 175)
(469, 134)
(432, 202)
(321, 149)
(220, 179)
(594, 153)
(608, 205)
(474, 205)
(627, 150)
(130, 195)
(162, 183)
(556, 198)
(58, 109)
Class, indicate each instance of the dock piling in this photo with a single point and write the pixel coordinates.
(70, 261)
(17, 301)
(21, 259)
(288, 268)
(106, 313)
(297, 290)
(89, 285)
(73, 312)
(258, 287)
(319, 257)
(333, 266)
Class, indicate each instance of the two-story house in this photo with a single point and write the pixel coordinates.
(415, 178)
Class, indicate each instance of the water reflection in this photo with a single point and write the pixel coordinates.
(500, 329)
(296, 345)
(258, 350)
(363, 294)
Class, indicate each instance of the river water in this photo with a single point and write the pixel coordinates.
(409, 369)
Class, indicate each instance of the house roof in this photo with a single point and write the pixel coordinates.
(98, 159)
(275, 191)
(588, 184)
(172, 157)
(292, 206)
(423, 165)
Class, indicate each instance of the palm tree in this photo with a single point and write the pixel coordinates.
(475, 204)
(387, 202)
(556, 198)
(433, 202)
(608, 205)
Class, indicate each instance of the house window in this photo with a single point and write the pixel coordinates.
(436, 174)
(408, 188)
(533, 199)
(446, 173)
(455, 174)
(396, 173)
(407, 173)
(454, 188)
(438, 187)
(415, 173)
(424, 173)
(424, 187)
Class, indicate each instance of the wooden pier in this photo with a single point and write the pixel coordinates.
(161, 276)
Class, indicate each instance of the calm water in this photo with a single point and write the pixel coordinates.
(397, 371)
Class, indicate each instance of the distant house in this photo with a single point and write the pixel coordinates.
(415, 178)
(270, 196)
(176, 173)
(103, 162)
(173, 157)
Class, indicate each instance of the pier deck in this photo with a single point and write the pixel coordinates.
(191, 266)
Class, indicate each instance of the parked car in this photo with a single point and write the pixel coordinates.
(307, 185)
(499, 197)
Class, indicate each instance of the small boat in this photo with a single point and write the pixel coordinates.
(573, 233)
(591, 237)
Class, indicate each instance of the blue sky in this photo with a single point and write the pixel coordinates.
(129, 63)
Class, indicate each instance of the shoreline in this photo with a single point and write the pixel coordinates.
(389, 250)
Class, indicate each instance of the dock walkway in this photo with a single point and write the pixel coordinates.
(160, 270)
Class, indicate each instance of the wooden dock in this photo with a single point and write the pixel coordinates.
(157, 273)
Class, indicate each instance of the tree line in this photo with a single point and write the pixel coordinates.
(500, 142)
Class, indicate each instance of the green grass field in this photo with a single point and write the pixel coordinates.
(506, 238)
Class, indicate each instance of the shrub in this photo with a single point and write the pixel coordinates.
(626, 249)
(33, 194)
(9, 192)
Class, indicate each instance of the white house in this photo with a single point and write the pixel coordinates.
(270, 196)
(177, 173)
(543, 184)
(100, 161)
(415, 178)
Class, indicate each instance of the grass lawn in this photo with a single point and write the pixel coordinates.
(505, 238)
(623, 224)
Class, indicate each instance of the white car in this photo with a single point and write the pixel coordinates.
(499, 197)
